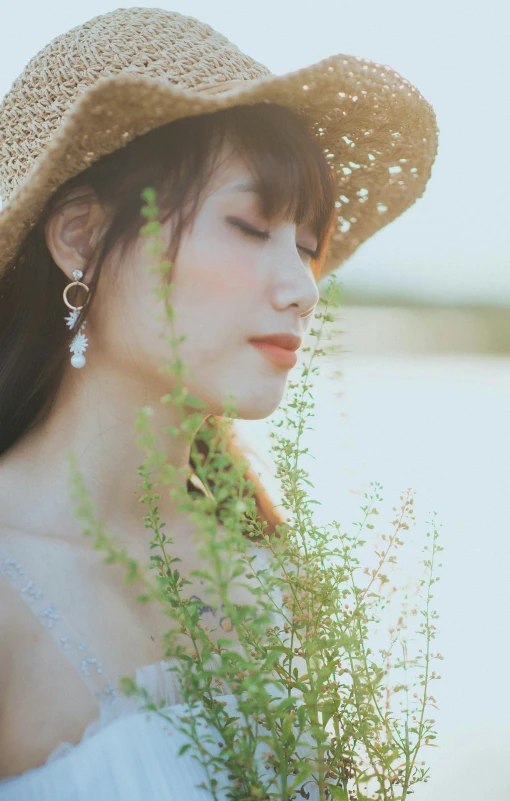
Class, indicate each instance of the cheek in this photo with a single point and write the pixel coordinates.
(223, 277)
(230, 286)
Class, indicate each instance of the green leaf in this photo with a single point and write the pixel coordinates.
(338, 793)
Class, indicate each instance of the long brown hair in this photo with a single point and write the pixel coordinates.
(293, 178)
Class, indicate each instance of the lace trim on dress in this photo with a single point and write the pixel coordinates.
(74, 647)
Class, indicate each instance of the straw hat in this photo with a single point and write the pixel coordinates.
(96, 87)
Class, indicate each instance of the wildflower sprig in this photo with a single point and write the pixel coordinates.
(296, 702)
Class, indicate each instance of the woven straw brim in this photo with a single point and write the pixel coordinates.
(377, 130)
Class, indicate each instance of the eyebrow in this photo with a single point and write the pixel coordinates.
(242, 186)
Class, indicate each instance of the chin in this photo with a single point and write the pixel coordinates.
(259, 411)
(257, 399)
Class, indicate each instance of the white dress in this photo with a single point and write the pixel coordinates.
(127, 753)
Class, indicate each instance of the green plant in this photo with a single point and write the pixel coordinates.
(311, 711)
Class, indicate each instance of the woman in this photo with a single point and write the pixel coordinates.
(253, 172)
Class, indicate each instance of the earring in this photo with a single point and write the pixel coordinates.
(80, 342)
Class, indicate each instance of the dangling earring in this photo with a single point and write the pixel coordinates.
(80, 342)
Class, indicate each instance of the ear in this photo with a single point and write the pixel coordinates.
(72, 232)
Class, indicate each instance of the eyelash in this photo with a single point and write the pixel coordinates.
(249, 231)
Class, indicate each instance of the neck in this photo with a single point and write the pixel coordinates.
(94, 417)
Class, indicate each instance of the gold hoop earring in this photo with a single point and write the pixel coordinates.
(80, 342)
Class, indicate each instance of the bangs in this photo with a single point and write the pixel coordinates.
(291, 174)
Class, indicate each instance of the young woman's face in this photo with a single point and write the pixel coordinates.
(227, 286)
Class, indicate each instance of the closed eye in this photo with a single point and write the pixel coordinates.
(249, 231)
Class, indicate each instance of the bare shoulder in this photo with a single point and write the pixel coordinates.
(35, 687)
(7, 628)
(7, 659)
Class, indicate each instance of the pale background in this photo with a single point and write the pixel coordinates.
(419, 396)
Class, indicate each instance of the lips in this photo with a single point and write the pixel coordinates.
(287, 341)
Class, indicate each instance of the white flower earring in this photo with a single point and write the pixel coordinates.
(80, 342)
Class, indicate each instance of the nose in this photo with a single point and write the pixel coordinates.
(301, 284)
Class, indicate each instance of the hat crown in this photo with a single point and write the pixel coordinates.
(149, 41)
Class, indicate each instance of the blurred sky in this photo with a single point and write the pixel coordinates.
(453, 245)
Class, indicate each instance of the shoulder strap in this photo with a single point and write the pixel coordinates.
(69, 641)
